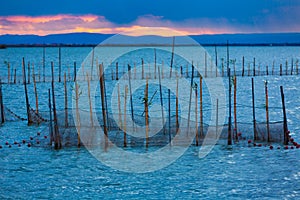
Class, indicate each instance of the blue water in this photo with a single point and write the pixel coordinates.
(239, 172)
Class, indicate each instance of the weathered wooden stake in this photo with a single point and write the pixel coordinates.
(285, 127)
(1, 104)
(102, 92)
(29, 120)
(117, 70)
(201, 108)
(267, 111)
(125, 124)
(253, 112)
(146, 113)
(172, 58)
(196, 114)
(243, 65)
(75, 71)
(50, 114)
(234, 108)
(66, 101)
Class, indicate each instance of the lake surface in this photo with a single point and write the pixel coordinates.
(238, 172)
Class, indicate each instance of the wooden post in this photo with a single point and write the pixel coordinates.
(217, 117)
(253, 112)
(36, 96)
(196, 114)
(1, 104)
(254, 67)
(267, 111)
(29, 120)
(285, 127)
(15, 76)
(77, 113)
(216, 56)
(280, 69)
(59, 64)
(205, 64)
(172, 58)
(234, 108)
(297, 66)
(120, 124)
(57, 140)
(154, 63)
(258, 70)
(50, 113)
(286, 67)
(267, 70)
(130, 92)
(75, 71)
(243, 65)
(292, 66)
(222, 67)
(273, 66)
(191, 92)
(201, 108)
(146, 113)
(117, 71)
(169, 110)
(229, 139)
(177, 105)
(161, 101)
(66, 101)
(125, 128)
(44, 79)
(28, 71)
(8, 72)
(102, 92)
(143, 68)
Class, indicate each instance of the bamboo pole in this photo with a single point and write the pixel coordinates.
(267, 111)
(66, 101)
(253, 112)
(146, 113)
(29, 120)
(285, 127)
(57, 142)
(102, 92)
(125, 128)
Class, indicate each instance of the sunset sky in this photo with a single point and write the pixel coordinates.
(42, 17)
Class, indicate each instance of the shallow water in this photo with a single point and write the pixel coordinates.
(240, 172)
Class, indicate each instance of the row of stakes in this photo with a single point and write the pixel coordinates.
(294, 144)
(28, 143)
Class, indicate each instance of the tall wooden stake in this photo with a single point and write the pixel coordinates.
(102, 92)
(1, 104)
(172, 58)
(267, 111)
(253, 111)
(29, 120)
(146, 113)
(66, 101)
(285, 127)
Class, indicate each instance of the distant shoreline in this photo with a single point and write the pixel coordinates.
(4, 46)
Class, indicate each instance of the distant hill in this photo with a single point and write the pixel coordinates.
(95, 38)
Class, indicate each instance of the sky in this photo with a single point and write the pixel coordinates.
(43, 17)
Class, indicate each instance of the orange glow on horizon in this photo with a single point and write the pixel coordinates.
(58, 24)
